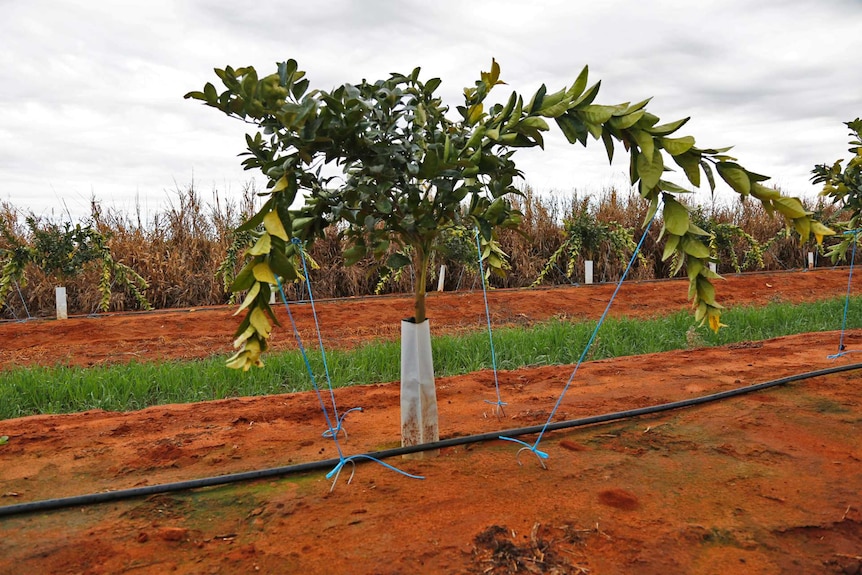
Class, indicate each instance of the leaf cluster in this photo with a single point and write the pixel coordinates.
(843, 185)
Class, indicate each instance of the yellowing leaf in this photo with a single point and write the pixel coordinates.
(252, 293)
(261, 324)
(272, 224)
(281, 184)
(803, 227)
(262, 246)
(790, 208)
(819, 230)
(263, 273)
(715, 321)
(240, 341)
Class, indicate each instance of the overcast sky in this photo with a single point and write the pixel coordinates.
(91, 93)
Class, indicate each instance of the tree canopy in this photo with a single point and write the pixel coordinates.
(411, 168)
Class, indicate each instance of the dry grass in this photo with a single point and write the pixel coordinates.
(179, 250)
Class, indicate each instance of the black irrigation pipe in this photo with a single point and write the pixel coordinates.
(328, 464)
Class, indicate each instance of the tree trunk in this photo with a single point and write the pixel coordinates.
(419, 422)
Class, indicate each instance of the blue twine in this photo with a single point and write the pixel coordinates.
(332, 431)
(310, 371)
(841, 350)
(535, 446)
(339, 420)
(499, 403)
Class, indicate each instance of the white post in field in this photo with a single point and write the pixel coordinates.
(588, 271)
(810, 260)
(713, 267)
(442, 279)
(60, 296)
(271, 298)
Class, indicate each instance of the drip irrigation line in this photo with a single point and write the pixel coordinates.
(136, 492)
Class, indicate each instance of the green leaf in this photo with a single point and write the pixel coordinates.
(281, 265)
(650, 170)
(761, 192)
(354, 253)
(672, 187)
(670, 246)
(644, 141)
(669, 128)
(694, 247)
(690, 164)
(628, 120)
(587, 97)
(677, 146)
(706, 291)
(608, 140)
(676, 218)
(735, 176)
(573, 128)
(708, 171)
(397, 261)
(257, 219)
(580, 83)
(244, 279)
(300, 224)
(597, 114)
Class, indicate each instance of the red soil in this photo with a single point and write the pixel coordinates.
(764, 483)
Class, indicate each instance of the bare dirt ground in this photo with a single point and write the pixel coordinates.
(768, 482)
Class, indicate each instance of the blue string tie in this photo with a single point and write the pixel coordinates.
(534, 448)
(499, 404)
(332, 430)
(841, 347)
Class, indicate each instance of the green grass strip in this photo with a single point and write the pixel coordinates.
(34, 390)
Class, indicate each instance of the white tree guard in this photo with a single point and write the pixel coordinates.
(418, 392)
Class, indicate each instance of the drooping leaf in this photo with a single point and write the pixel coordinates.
(249, 298)
(263, 273)
(670, 246)
(790, 208)
(650, 169)
(690, 164)
(262, 246)
(676, 218)
(694, 247)
(735, 176)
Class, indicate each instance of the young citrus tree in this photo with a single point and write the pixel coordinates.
(844, 186)
(409, 168)
(65, 252)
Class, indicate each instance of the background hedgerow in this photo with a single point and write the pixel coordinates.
(189, 252)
